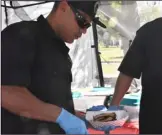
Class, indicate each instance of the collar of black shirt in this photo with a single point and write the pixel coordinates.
(44, 25)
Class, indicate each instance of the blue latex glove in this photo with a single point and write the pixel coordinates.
(102, 107)
(97, 108)
(71, 124)
(115, 108)
(107, 128)
(111, 108)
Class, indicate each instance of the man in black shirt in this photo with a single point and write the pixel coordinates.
(143, 59)
(36, 71)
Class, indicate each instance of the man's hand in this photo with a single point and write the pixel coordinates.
(20, 101)
(121, 87)
(70, 123)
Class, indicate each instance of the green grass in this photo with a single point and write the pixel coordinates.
(110, 55)
(110, 68)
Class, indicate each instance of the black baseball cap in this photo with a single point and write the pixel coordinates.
(89, 7)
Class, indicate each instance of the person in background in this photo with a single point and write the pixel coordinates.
(36, 71)
(143, 59)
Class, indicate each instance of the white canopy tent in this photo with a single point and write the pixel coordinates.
(124, 19)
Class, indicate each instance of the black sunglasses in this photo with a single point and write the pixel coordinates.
(82, 22)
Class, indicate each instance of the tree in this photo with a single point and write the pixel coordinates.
(149, 12)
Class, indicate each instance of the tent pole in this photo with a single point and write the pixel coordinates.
(95, 37)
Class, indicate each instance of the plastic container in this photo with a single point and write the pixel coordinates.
(121, 116)
(128, 100)
(131, 100)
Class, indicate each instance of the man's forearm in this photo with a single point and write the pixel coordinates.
(122, 86)
(20, 101)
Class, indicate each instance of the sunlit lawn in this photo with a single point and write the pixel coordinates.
(109, 69)
(111, 57)
(108, 55)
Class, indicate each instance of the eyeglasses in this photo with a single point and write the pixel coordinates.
(82, 22)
